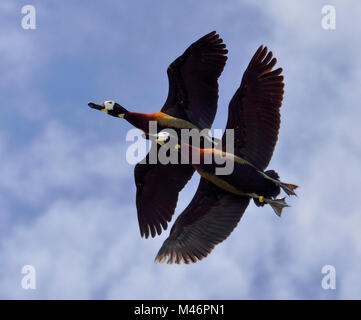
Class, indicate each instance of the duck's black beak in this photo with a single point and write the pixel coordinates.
(96, 106)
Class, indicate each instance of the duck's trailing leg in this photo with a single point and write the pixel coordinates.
(288, 188)
(276, 204)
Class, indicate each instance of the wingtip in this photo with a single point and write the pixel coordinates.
(163, 258)
(159, 259)
(211, 34)
(259, 52)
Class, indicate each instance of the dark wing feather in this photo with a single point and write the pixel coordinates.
(254, 111)
(208, 220)
(193, 86)
(158, 187)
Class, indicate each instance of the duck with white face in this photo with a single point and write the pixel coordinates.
(245, 180)
(110, 107)
(191, 104)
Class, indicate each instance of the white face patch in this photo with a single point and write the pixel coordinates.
(109, 105)
(163, 136)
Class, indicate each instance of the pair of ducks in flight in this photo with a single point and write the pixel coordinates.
(220, 200)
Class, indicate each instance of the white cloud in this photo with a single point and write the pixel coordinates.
(58, 160)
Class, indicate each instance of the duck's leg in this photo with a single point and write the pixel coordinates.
(276, 204)
(286, 187)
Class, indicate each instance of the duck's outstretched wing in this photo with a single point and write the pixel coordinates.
(208, 220)
(158, 187)
(193, 96)
(193, 81)
(254, 111)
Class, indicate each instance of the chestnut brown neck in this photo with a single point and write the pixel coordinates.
(139, 120)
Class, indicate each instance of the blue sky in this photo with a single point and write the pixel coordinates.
(67, 196)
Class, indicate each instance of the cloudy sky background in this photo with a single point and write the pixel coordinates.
(67, 196)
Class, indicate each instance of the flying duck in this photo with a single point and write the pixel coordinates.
(191, 104)
(220, 200)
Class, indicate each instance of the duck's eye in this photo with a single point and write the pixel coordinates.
(109, 105)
